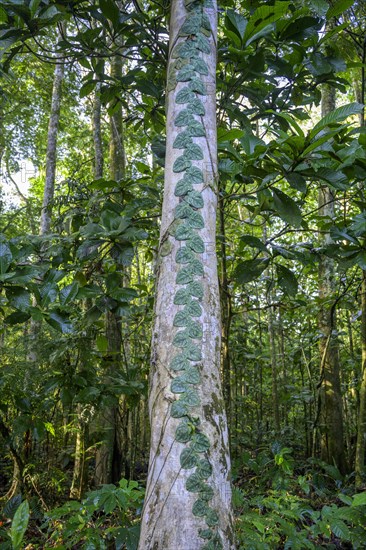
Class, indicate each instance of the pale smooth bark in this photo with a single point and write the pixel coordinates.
(117, 154)
(80, 472)
(49, 188)
(331, 412)
(51, 155)
(273, 355)
(97, 134)
(361, 427)
(168, 522)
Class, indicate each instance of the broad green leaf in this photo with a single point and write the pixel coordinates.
(338, 7)
(69, 293)
(292, 122)
(229, 135)
(250, 269)
(19, 525)
(110, 9)
(359, 499)
(361, 260)
(101, 343)
(253, 242)
(236, 22)
(19, 297)
(339, 114)
(60, 321)
(17, 317)
(263, 20)
(287, 280)
(358, 225)
(287, 208)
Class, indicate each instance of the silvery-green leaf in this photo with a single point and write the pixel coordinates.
(192, 375)
(194, 173)
(212, 518)
(183, 433)
(196, 244)
(196, 85)
(200, 66)
(185, 95)
(200, 508)
(188, 459)
(191, 25)
(194, 484)
(195, 330)
(195, 220)
(200, 443)
(186, 73)
(179, 362)
(195, 199)
(183, 211)
(181, 164)
(194, 308)
(186, 50)
(178, 385)
(191, 398)
(196, 267)
(181, 319)
(184, 276)
(202, 43)
(184, 255)
(183, 232)
(204, 468)
(182, 140)
(196, 289)
(183, 187)
(184, 118)
(196, 107)
(193, 152)
(192, 351)
(182, 297)
(179, 409)
(181, 339)
(196, 129)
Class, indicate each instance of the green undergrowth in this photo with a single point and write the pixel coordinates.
(107, 518)
(280, 504)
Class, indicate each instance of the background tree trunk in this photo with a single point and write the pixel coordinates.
(331, 413)
(49, 188)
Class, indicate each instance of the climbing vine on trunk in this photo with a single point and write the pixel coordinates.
(189, 67)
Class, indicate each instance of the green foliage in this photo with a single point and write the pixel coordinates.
(105, 516)
(19, 525)
(292, 516)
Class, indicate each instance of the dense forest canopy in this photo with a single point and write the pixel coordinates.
(182, 274)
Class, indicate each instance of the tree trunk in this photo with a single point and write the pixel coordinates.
(226, 315)
(51, 154)
(109, 459)
(97, 134)
(273, 356)
(80, 472)
(117, 154)
(188, 496)
(331, 414)
(361, 427)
